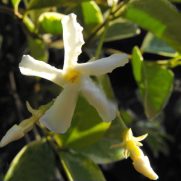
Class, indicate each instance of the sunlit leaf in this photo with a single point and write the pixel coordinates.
(35, 162)
(157, 88)
(92, 15)
(152, 44)
(80, 168)
(137, 61)
(50, 22)
(87, 127)
(155, 83)
(121, 29)
(160, 17)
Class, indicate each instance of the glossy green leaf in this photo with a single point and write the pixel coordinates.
(35, 162)
(155, 83)
(87, 127)
(50, 22)
(102, 151)
(15, 4)
(152, 44)
(160, 17)
(121, 29)
(136, 62)
(91, 14)
(156, 89)
(80, 168)
(37, 49)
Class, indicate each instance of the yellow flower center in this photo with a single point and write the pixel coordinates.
(72, 75)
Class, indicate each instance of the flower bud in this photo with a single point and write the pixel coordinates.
(14, 133)
(142, 165)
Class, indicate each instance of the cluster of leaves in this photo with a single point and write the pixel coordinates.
(89, 140)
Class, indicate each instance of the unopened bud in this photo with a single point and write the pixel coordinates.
(13, 134)
(142, 165)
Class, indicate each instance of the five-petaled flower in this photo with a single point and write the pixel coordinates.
(131, 148)
(74, 78)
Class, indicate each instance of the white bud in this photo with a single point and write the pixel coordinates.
(112, 2)
(142, 165)
(13, 134)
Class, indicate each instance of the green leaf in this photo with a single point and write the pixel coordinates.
(152, 44)
(137, 61)
(35, 162)
(15, 4)
(155, 83)
(156, 89)
(87, 127)
(38, 4)
(50, 22)
(102, 151)
(37, 49)
(175, 1)
(92, 15)
(80, 168)
(160, 17)
(120, 29)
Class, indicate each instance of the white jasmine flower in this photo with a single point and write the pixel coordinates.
(74, 78)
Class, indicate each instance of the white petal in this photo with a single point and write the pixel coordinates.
(13, 134)
(73, 39)
(58, 117)
(96, 97)
(32, 67)
(102, 66)
(142, 165)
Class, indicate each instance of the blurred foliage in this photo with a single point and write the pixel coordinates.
(88, 142)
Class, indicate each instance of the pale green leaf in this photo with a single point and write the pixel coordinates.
(136, 62)
(91, 14)
(80, 168)
(35, 162)
(50, 22)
